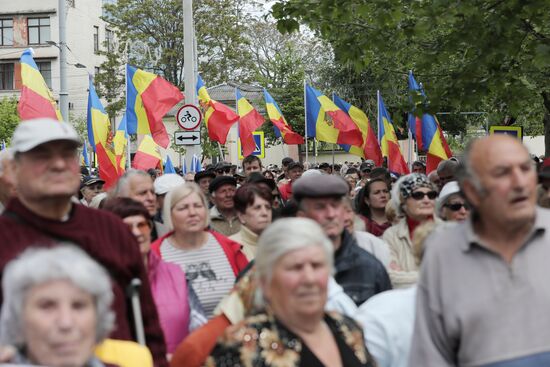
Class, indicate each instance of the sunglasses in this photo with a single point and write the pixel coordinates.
(419, 195)
(224, 170)
(456, 207)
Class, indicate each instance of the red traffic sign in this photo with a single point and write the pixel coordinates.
(189, 117)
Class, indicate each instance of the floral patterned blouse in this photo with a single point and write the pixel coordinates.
(262, 341)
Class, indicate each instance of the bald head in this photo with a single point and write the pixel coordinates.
(499, 179)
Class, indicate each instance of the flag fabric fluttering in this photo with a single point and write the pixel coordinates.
(147, 155)
(120, 143)
(85, 156)
(280, 125)
(339, 130)
(183, 166)
(388, 141)
(196, 164)
(148, 98)
(428, 133)
(370, 148)
(249, 121)
(36, 98)
(218, 118)
(3, 145)
(168, 166)
(101, 139)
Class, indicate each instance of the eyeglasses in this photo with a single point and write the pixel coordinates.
(224, 170)
(419, 195)
(457, 206)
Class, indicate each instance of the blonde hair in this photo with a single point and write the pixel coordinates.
(420, 235)
(177, 194)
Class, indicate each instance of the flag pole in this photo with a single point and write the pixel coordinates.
(305, 118)
(333, 143)
(128, 155)
(239, 150)
(378, 123)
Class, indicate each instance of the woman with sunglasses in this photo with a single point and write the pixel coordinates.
(451, 205)
(413, 197)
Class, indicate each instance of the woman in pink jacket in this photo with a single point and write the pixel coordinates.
(168, 283)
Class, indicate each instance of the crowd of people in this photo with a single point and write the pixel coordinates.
(297, 265)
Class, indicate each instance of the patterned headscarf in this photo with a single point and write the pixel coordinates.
(412, 182)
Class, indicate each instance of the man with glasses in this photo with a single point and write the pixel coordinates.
(223, 169)
(483, 292)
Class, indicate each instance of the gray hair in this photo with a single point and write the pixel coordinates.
(465, 171)
(178, 193)
(122, 186)
(286, 235)
(448, 166)
(36, 266)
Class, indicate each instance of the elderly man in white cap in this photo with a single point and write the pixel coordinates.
(163, 184)
(46, 174)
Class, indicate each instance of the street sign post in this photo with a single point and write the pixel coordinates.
(187, 138)
(189, 117)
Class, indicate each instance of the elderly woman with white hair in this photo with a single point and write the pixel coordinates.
(211, 261)
(413, 197)
(451, 205)
(57, 308)
(293, 265)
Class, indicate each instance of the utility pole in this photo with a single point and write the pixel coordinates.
(63, 93)
(189, 67)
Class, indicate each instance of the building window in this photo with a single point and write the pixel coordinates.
(39, 30)
(6, 76)
(96, 39)
(6, 32)
(109, 40)
(45, 68)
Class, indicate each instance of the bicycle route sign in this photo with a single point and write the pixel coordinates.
(189, 117)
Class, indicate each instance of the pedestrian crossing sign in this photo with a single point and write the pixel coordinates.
(260, 145)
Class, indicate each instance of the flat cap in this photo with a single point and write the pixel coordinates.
(32, 133)
(318, 186)
(202, 174)
(220, 181)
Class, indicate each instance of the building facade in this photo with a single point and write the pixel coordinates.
(35, 23)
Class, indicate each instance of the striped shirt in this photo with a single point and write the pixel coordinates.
(207, 269)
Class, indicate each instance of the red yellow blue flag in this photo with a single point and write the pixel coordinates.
(218, 117)
(148, 98)
(36, 98)
(249, 121)
(340, 129)
(388, 141)
(147, 155)
(280, 125)
(428, 133)
(370, 148)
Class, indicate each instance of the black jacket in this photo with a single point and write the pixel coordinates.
(360, 274)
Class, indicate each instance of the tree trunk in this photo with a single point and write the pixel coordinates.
(546, 122)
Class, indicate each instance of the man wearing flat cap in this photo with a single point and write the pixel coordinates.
(319, 198)
(223, 216)
(46, 174)
(90, 187)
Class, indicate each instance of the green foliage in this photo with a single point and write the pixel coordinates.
(110, 83)
(9, 118)
(481, 55)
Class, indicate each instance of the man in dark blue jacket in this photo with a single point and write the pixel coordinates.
(358, 272)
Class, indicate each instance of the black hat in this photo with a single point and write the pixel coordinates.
(257, 177)
(319, 186)
(220, 181)
(90, 180)
(286, 161)
(367, 165)
(202, 174)
(222, 165)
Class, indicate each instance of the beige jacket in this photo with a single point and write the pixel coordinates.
(402, 270)
(223, 225)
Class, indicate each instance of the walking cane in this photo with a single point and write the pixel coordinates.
(133, 294)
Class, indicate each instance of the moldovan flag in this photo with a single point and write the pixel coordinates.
(388, 141)
(340, 130)
(120, 143)
(249, 120)
(196, 165)
(429, 136)
(100, 137)
(218, 117)
(280, 126)
(148, 98)
(36, 98)
(147, 155)
(370, 148)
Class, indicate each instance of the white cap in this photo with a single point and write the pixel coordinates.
(449, 189)
(167, 182)
(31, 133)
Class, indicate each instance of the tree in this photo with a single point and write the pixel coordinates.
(9, 118)
(481, 55)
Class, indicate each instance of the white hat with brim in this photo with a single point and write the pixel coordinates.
(449, 189)
(31, 133)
